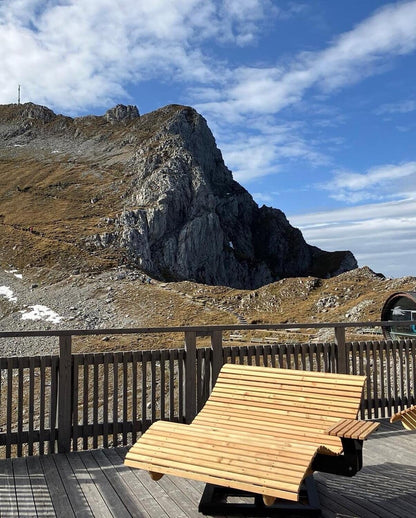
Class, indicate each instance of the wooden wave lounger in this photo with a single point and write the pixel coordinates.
(407, 417)
(263, 431)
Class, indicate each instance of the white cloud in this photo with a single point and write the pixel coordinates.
(380, 235)
(83, 52)
(405, 106)
(254, 156)
(377, 183)
(354, 55)
(244, 94)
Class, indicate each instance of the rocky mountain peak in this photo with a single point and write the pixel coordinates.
(154, 195)
(35, 111)
(121, 113)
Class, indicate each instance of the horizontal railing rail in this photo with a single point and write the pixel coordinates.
(71, 401)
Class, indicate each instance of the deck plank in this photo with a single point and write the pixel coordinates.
(25, 501)
(40, 491)
(148, 506)
(56, 489)
(7, 490)
(76, 497)
(86, 484)
(136, 495)
(96, 483)
(119, 487)
(112, 500)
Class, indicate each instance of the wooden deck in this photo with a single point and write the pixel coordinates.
(96, 483)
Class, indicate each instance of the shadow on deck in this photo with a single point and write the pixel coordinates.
(96, 483)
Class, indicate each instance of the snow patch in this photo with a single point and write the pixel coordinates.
(6, 292)
(40, 312)
(15, 273)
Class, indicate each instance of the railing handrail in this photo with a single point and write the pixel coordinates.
(207, 329)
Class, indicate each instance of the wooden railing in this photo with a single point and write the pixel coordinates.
(78, 401)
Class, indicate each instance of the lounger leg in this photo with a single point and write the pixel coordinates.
(347, 464)
(268, 500)
(215, 501)
(155, 476)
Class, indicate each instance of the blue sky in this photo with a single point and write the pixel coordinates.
(312, 103)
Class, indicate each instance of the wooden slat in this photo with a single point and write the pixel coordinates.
(352, 429)
(162, 383)
(282, 383)
(134, 387)
(144, 390)
(111, 502)
(180, 381)
(9, 406)
(290, 408)
(57, 491)
(42, 499)
(77, 498)
(406, 411)
(280, 431)
(31, 406)
(106, 396)
(153, 383)
(217, 477)
(8, 500)
(194, 434)
(53, 401)
(119, 491)
(75, 398)
(24, 495)
(20, 411)
(85, 480)
(125, 397)
(42, 406)
(95, 403)
(229, 456)
(85, 406)
(115, 398)
(161, 455)
(293, 377)
(286, 397)
(171, 387)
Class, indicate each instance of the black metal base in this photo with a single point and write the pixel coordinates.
(214, 502)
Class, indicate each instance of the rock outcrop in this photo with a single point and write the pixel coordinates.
(191, 220)
(173, 209)
(122, 112)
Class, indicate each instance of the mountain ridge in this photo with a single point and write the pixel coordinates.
(148, 191)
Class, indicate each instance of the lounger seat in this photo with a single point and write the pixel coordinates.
(262, 430)
(407, 417)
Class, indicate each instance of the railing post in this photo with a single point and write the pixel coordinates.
(342, 352)
(65, 394)
(217, 356)
(190, 376)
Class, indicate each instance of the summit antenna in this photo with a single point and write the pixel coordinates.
(18, 94)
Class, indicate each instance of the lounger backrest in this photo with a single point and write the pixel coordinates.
(314, 395)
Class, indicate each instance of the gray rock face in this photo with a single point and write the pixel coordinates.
(193, 221)
(122, 112)
(35, 111)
